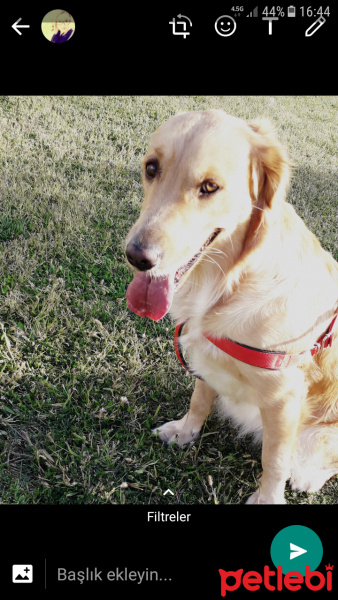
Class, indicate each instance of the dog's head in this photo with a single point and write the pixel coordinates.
(206, 175)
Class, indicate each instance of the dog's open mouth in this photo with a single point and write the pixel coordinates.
(182, 270)
(152, 297)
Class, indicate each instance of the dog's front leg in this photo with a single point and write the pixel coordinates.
(187, 429)
(280, 426)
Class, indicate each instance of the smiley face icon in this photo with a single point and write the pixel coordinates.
(225, 25)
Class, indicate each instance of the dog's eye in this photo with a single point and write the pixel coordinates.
(209, 187)
(151, 169)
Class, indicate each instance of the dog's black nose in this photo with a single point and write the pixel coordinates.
(141, 258)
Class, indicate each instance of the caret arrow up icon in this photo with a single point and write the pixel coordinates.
(296, 551)
(16, 26)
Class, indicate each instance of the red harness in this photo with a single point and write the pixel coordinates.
(259, 358)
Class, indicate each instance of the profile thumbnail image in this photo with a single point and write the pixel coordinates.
(58, 26)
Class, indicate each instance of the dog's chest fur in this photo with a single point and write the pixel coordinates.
(237, 397)
(249, 320)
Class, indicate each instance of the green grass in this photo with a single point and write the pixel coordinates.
(83, 380)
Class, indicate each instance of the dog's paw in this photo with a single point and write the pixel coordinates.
(259, 498)
(310, 480)
(177, 431)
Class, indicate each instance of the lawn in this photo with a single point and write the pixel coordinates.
(82, 379)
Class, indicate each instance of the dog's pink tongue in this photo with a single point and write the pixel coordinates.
(150, 297)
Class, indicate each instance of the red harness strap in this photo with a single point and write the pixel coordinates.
(259, 358)
(179, 354)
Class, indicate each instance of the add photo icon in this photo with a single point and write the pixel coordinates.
(22, 574)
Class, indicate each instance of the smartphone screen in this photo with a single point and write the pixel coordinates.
(168, 299)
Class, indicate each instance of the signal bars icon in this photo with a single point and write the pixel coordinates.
(253, 13)
(291, 11)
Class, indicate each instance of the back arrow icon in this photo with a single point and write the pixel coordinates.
(16, 26)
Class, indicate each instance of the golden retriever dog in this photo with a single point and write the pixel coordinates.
(218, 246)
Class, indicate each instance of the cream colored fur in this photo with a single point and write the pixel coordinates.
(265, 282)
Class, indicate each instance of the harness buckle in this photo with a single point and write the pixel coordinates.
(327, 338)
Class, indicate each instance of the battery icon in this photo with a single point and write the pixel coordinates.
(291, 11)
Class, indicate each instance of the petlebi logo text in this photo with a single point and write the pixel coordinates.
(296, 552)
(275, 580)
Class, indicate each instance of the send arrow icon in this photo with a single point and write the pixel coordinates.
(296, 551)
(307, 552)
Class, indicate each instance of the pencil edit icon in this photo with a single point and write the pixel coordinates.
(315, 26)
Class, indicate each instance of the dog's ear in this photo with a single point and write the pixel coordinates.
(269, 170)
(269, 164)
